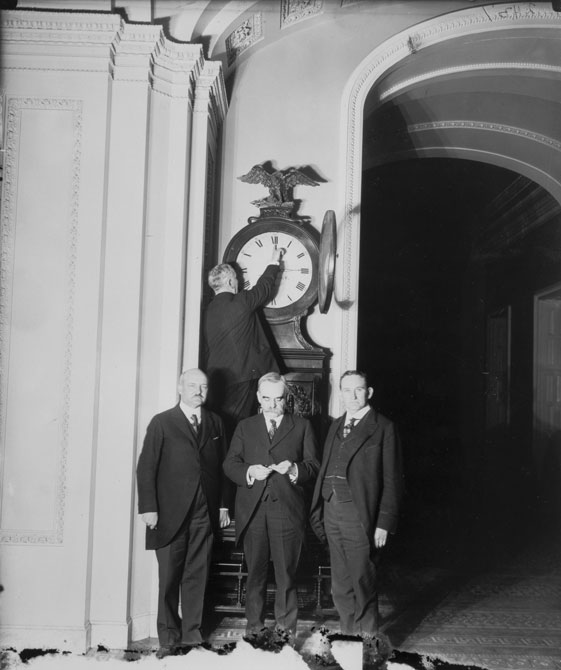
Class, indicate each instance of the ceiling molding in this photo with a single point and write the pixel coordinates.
(452, 124)
(468, 68)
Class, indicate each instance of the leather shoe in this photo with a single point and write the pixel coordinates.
(165, 650)
(183, 649)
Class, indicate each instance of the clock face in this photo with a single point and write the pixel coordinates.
(251, 250)
(295, 278)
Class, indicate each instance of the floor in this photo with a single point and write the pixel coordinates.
(474, 599)
(504, 616)
(484, 598)
(492, 601)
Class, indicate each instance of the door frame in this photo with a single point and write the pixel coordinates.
(538, 442)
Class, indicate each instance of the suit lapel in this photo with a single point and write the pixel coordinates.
(183, 423)
(286, 425)
(335, 428)
(359, 434)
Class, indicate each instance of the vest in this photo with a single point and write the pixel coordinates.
(335, 480)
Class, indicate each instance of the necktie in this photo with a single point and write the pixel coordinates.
(272, 429)
(195, 423)
(348, 427)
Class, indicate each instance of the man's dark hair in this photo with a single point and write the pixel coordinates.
(354, 373)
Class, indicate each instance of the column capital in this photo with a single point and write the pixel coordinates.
(210, 92)
(131, 51)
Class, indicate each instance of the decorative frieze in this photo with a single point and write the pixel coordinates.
(293, 11)
(516, 11)
(57, 27)
(57, 41)
(244, 36)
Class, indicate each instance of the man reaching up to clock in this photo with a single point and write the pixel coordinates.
(237, 350)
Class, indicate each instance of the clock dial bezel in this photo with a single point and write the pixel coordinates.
(308, 237)
(327, 253)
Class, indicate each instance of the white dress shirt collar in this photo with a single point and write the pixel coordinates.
(189, 411)
(357, 416)
(276, 419)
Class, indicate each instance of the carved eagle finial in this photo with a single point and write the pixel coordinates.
(280, 183)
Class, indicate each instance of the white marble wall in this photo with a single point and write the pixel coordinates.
(96, 244)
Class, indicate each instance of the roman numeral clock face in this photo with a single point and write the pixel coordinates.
(294, 282)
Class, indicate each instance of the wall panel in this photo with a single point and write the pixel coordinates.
(39, 228)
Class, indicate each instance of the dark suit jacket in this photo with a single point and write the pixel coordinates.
(236, 347)
(172, 464)
(374, 474)
(294, 441)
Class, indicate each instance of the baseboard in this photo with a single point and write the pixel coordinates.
(109, 634)
(143, 626)
(73, 639)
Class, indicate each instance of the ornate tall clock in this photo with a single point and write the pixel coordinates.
(307, 263)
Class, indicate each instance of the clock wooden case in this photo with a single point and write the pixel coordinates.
(250, 251)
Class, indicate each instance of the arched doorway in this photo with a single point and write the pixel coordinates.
(502, 57)
(451, 230)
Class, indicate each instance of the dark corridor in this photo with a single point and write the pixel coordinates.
(425, 295)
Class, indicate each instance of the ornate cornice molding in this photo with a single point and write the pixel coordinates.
(131, 51)
(63, 42)
(175, 68)
(15, 108)
(210, 93)
(58, 27)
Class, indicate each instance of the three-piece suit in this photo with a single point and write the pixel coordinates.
(179, 476)
(271, 514)
(362, 493)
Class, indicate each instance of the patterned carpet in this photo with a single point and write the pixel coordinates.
(499, 619)
(498, 609)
